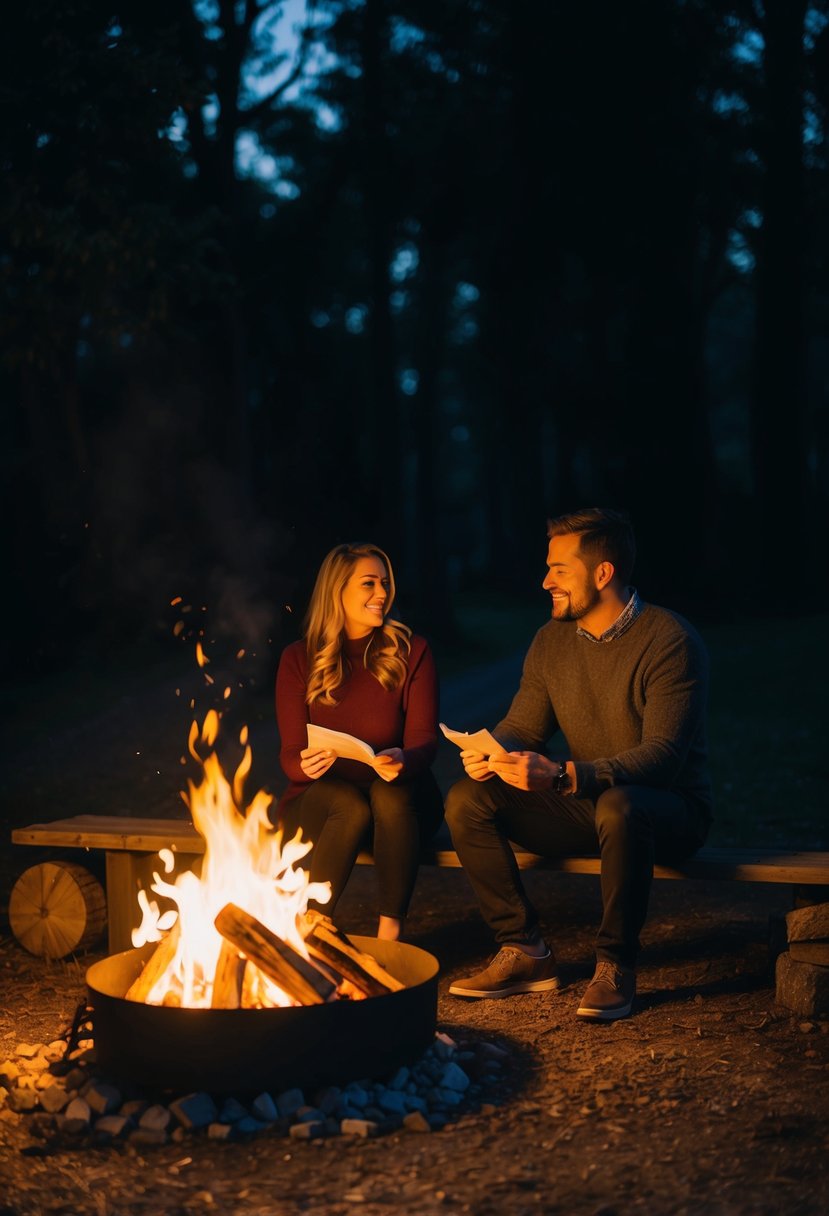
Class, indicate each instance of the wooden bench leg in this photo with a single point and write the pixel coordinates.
(128, 873)
(805, 896)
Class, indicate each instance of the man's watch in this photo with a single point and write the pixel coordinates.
(561, 781)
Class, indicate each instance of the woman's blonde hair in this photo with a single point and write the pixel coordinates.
(387, 648)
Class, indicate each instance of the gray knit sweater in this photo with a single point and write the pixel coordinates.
(632, 710)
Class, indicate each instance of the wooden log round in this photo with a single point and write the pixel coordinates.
(57, 908)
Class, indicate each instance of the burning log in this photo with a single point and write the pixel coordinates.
(301, 980)
(328, 943)
(228, 978)
(155, 966)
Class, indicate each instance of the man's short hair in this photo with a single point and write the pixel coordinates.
(605, 535)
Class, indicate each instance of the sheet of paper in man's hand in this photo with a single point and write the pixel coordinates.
(481, 741)
(346, 746)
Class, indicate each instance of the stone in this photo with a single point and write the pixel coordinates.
(79, 1109)
(20, 1100)
(111, 1125)
(155, 1117)
(801, 987)
(454, 1077)
(195, 1110)
(816, 952)
(54, 1098)
(148, 1135)
(9, 1072)
(289, 1101)
(103, 1099)
(358, 1127)
(232, 1111)
(307, 1131)
(263, 1107)
(808, 924)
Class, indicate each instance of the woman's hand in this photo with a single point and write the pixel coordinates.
(477, 766)
(315, 761)
(388, 764)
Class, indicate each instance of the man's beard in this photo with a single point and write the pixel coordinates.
(574, 608)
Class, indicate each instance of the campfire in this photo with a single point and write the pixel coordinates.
(235, 984)
(240, 934)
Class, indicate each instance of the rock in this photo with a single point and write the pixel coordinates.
(148, 1135)
(111, 1126)
(816, 952)
(454, 1077)
(27, 1051)
(195, 1110)
(54, 1098)
(155, 1117)
(801, 987)
(9, 1072)
(289, 1101)
(307, 1131)
(78, 1109)
(263, 1107)
(808, 924)
(358, 1127)
(232, 1111)
(103, 1099)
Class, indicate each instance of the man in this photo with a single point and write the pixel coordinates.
(625, 682)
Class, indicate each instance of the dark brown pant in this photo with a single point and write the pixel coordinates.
(628, 827)
(392, 819)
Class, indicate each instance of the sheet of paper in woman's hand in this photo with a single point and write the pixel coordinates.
(346, 746)
(481, 741)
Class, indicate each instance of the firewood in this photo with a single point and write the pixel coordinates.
(57, 908)
(228, 977)
(336, 947)
(331, 953)
(297, 977)
(155, 966)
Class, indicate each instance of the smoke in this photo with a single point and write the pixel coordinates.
(177, 546)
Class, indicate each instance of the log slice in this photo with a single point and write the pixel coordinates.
(57, 908)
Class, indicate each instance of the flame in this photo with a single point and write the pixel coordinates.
(246, 862)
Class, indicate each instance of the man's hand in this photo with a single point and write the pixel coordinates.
(477, 766)
(315, 761)
(388, 764)
(524, 770)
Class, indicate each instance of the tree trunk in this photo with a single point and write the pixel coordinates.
(778, 442)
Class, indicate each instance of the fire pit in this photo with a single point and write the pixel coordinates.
(249, 1050)
(239, 986)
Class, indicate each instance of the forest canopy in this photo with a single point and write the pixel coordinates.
(281, 275)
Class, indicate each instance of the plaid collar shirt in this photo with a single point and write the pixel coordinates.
(623, 621)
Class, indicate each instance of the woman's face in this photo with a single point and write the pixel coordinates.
(364, 597)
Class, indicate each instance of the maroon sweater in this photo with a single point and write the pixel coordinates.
(406, 717)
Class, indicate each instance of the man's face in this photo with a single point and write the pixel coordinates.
(571, 586)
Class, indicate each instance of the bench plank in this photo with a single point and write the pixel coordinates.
(738, 864)
(113, 832)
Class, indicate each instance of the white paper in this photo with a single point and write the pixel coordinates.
(346, 746)
(481, 741)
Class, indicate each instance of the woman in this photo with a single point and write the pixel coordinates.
(359, 671)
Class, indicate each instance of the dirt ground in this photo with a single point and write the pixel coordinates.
(712, 1099)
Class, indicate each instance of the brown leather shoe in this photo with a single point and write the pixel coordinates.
(510, 971)
(610, 993)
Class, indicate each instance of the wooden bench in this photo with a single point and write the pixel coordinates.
(130, 848)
